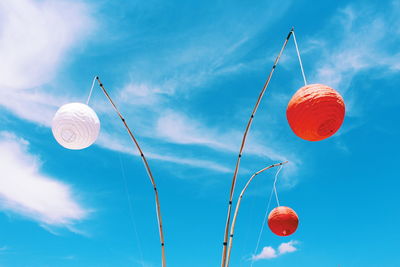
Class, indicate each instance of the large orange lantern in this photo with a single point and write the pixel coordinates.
(315, 112)
(283, 221)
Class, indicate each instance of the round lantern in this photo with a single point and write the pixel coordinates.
(283, 221)
(75, 126)
(315, 112)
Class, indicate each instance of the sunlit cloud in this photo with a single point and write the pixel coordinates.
(266, 253)
(107, 141)
(24, 190)
(35, 39)
(361, 44)
(287, 247)
(270, 253)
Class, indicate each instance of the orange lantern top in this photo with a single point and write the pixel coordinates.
(283, 221)
(315, 112)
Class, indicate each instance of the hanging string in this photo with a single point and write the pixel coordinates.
(131, 215)
(91, 90)
(276, 178)
(266, 212)
(262, 227)
(298, 55)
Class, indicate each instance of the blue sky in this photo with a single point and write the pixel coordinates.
(186, 74)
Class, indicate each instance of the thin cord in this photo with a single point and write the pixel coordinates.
(266, 213)
(148, 170)
(276, 178)
(262, 227)
(91, 90)
(132, 218)
(298, 55)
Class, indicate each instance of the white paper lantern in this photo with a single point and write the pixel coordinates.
(75, 126)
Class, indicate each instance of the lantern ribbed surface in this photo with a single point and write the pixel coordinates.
(315, 112)
(283, 221)
(75, 126)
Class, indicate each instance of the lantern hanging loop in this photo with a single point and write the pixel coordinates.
(276, 178)
(91, 90)
(299, 57)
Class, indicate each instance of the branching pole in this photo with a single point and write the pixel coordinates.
(228, 218)
(146, 165)
(238, 206)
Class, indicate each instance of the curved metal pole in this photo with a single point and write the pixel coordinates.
(146, 165)
(238, 206)
(228, 217)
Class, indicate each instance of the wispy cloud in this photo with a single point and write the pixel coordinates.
(177, 132)
(184, 68)
(32, 104)
(69, 258)
(26, 89)
(270, 253)
(358, 39)
(142, 94)
(35, 38)
(199, 54)
(180, 129)
(106, 140)
(4, 249)
(26, 191)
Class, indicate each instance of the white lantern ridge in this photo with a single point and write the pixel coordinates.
(75, 126)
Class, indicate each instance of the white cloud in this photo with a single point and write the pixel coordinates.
(177, 128)
(358, 39)
(26, 191)
(204, 164)
(107, 141)
(180, 129)
(287, 247)
(189, 62)
(155, 121)
(35, 37)
(141, 94)
(270, 253)
(266, 253)
(32, 105)
(190, 65)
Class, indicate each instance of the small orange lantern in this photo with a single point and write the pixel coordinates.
(315, 112)
(283, 221)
